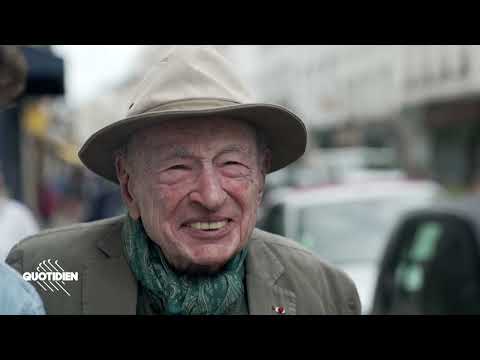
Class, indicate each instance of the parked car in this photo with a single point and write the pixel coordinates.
(432, 262)
(348, 225)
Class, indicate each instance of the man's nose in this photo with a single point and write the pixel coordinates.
(208, 191)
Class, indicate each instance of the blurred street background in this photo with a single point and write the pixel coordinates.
(391, 128)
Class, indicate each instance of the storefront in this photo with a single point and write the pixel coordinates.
(45, 77)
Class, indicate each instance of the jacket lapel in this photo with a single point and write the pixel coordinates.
(109, 286)
(263, 292)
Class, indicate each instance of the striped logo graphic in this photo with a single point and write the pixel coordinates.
(50, 276)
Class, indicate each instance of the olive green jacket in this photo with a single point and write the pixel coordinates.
(280, 274)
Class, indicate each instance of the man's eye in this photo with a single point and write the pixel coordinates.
(232, 163)
(235, 168)
(178, 167)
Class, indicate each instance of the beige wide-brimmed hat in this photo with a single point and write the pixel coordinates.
(195, 82)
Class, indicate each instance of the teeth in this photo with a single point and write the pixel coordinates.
(208, 225)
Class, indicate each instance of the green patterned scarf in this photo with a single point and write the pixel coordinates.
(180, 294)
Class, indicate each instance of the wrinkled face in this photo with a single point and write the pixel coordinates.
(196, 185)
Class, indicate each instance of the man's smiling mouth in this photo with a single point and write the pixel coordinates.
(208, 225)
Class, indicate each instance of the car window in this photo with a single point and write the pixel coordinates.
(409, 274)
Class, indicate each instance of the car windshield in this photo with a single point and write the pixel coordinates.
(354, 231)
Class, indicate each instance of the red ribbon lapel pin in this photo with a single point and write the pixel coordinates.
(279, 309)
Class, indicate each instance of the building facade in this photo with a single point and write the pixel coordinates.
(422, 100)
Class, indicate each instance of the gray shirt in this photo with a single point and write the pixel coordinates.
(17, 297)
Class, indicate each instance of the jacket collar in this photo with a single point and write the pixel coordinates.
(264, 269)
(109, 285)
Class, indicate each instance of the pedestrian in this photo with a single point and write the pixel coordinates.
(17, 297)
(16, 221)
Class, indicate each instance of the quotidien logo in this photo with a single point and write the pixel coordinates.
(50, 276)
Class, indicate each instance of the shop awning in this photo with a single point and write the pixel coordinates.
(45, 72)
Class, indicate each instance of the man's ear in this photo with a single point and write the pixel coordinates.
(267, 161)
(265, 167)
(125, 180)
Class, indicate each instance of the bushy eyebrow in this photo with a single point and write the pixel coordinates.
(235, 148)
(169, 153)
(173, 152)
(179, 152)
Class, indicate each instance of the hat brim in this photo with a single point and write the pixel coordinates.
(286, 133)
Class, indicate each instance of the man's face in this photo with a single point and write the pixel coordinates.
(196, 184)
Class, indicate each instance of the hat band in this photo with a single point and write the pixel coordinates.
(190, 104)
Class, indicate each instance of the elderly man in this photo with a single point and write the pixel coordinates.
(190, 159)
